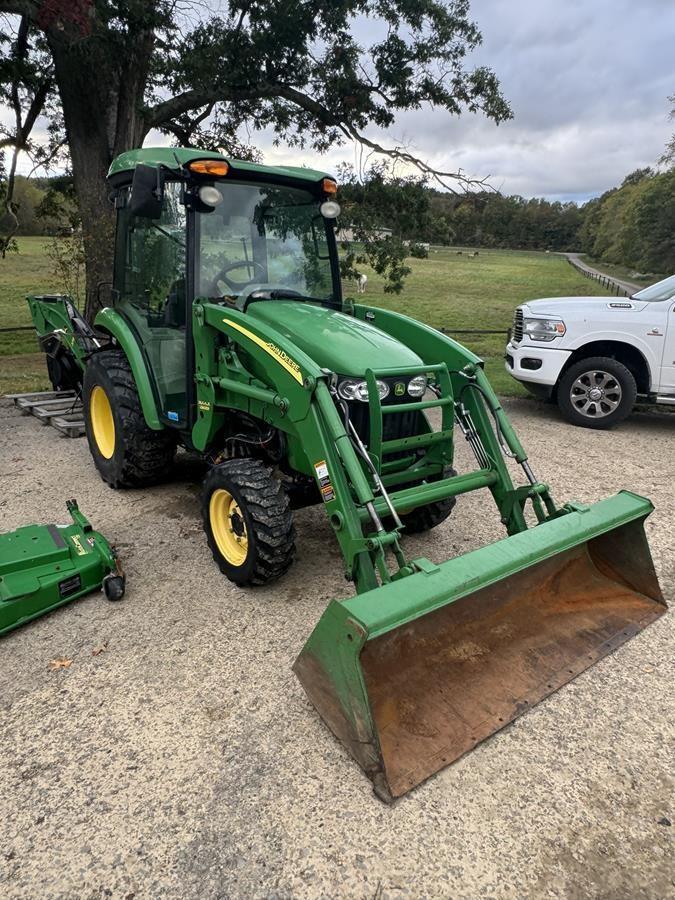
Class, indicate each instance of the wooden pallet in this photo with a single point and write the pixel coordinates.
(60, 409)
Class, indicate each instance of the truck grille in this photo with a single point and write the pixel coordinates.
(518, 326)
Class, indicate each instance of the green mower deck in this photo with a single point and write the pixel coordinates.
(43, 567)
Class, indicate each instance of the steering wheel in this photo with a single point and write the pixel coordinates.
(237, 286)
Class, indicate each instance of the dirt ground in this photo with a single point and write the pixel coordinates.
(185, 760)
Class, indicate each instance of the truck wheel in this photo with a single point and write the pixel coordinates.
(125, 451)
(248, 522)
(424, 518)
(597, 392)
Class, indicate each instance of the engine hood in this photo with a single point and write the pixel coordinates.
(558, 306)
(334, 340)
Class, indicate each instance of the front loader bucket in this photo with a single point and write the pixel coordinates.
(412, 675)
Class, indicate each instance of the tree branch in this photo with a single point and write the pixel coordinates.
(164, 112)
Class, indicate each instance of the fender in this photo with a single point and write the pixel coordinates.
(651, 353)
(111, 321)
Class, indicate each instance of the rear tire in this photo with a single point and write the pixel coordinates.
(64, 372)
(248, 522)
(424, 518)
(597, 392)
(126, 452)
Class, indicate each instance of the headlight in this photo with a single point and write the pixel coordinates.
(357, 389)
(544, 329)
(417, 385)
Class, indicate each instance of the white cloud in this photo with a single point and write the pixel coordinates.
(587, 80)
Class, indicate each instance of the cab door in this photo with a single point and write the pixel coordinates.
(150, 288)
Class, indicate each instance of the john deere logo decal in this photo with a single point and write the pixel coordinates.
(280, 355)
(399, 389)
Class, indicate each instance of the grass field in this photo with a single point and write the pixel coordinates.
(447, 290)
(456, 292)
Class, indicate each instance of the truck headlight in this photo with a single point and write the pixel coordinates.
(357, 389)
(544, 329)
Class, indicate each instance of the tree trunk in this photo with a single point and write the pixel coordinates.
(102, 99)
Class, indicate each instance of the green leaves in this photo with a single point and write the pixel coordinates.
(634, 225)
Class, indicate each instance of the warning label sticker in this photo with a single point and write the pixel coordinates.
(323, 477)
(79, 549)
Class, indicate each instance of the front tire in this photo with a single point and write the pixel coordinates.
(424, 518)
(248, 522)
(126, 452)
(597, 392)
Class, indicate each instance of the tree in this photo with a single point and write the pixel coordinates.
(124, 67)
(388, 216)
(26, 86)
(668, 158)
(652, 223)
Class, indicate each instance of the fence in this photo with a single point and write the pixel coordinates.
(609, 283)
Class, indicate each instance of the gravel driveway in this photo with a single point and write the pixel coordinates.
(185, 761)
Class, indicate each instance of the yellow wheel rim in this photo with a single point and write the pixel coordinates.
(228, 527)
(102, 422)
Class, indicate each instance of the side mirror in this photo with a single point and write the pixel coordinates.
(147, 192)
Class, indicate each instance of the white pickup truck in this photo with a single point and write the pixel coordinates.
(595, 356)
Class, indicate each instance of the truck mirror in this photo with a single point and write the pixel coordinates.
(147, 192)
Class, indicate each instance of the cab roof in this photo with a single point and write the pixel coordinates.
(176, 157)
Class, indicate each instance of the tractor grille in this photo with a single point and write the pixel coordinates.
(394, 425)
(518, 326)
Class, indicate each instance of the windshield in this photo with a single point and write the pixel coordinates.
(662, 290)
(264, 238)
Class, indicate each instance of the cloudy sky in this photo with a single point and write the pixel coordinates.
(588, 81)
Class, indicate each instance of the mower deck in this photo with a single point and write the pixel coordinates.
(43, 567)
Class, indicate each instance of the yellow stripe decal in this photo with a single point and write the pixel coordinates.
(282, 358)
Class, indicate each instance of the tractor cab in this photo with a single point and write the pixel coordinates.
(193, 225)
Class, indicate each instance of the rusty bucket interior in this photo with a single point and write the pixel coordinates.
(442, 683)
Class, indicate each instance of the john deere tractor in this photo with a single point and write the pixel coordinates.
(228, 334)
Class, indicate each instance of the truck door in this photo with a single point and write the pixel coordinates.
(667, 379)
(150, 267)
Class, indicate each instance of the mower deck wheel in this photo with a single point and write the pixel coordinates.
(113, 587)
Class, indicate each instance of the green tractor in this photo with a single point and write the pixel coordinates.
(227, 334)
